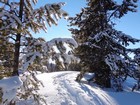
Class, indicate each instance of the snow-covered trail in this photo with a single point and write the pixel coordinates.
(60, 88)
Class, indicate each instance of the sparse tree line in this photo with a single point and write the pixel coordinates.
(96, 46)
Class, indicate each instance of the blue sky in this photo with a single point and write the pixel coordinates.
(129, 24)
(61, 30)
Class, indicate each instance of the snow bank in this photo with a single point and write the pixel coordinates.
(9, 88)
(60, 88)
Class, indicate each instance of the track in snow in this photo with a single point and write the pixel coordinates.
(65, 90)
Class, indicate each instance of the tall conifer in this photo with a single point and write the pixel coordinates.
(102, 48)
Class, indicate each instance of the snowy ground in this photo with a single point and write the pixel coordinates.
(60, 88)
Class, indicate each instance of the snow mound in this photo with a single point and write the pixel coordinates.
(9, 88)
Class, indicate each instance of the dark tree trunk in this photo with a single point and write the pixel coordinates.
(17, 42)
(16, 55)
(102, 78)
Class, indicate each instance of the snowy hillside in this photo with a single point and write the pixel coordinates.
(60, 88)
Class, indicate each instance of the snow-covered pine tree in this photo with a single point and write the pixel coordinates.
(64, 57)
(6, 57)
(38, 54)
(136, 64)
(18, 20)
(101, 48)
(59, 53)
(137, 56)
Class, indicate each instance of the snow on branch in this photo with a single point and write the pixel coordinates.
(56, 48)
(63, 40)
(49, 14)
(112, 60)
(10, 17)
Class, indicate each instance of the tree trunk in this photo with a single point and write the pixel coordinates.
(17, 42)
(102, 78)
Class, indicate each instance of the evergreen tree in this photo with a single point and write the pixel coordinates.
(6, 57)
(38, 54)
(60, 52)
(18, 20)
(136, 72)
(137, 56)
(101, 48)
